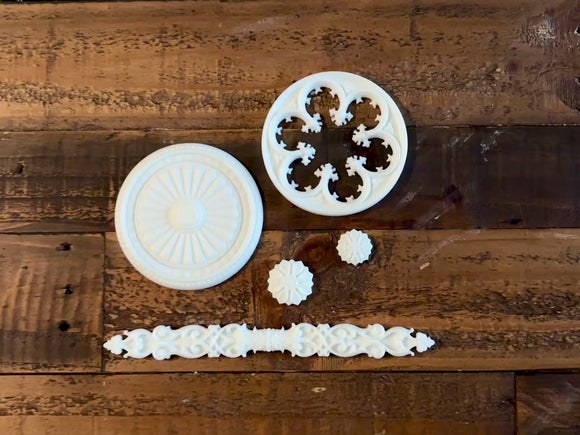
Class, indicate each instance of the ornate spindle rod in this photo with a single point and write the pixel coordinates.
(236, 340)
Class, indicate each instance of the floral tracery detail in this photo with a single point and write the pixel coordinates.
(288, 156)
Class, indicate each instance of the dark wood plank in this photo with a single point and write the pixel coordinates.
(493, 300)
(263, 403)
(455, 178)
(548, 404)
(221, 65)
(51, 299)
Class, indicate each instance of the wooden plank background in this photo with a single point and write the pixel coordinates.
(478, 245)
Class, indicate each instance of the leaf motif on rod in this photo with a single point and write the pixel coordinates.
(235, 340)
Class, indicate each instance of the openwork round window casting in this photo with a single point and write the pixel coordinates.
(374, 181)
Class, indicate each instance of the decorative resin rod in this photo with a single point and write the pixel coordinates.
(236, 340)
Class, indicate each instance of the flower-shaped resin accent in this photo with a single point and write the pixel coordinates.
(290, 282)
(354, 247)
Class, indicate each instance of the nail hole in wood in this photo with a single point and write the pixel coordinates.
(63, 325)
(452, 194)
(20, 168)
(64, 246)
(577, 31)
(67, 289)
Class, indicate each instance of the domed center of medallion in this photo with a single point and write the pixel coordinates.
(187, 214)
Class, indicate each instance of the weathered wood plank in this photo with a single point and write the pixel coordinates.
(51, 299)
(493, 300)
(260, 403)
(455, 178)
(548, 403)
(171, 425)
(221, 65)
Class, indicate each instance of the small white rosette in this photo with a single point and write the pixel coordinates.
(290, 282)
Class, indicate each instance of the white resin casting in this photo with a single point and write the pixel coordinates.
(236, 340)
(390, 130)
(354, 247)
(290, 282)
(189, 216)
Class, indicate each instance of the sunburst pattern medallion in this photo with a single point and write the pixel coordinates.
(188, 216)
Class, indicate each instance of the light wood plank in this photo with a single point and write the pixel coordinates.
(260, 403)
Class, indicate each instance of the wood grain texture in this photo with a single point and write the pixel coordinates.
(51, 294)
(520, 177)
(492, 300)
(171, 425)
(221, 65)
(548, 404)
(263, 403)
(87, 89)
